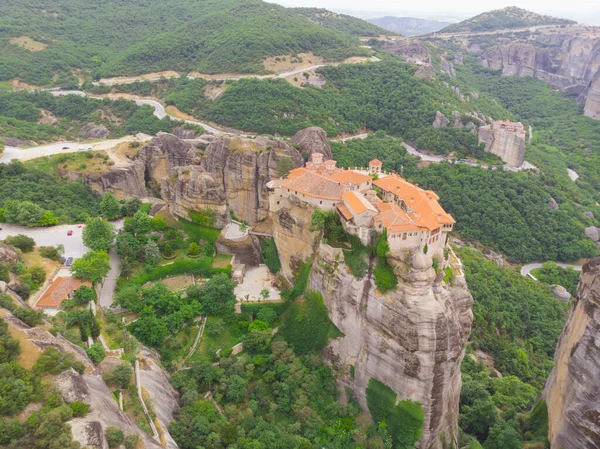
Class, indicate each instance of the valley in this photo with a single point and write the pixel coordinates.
(234, 225)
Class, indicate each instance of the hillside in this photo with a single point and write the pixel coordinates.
(42, 38)
(510, 17)
(341, 22)
(408, 26)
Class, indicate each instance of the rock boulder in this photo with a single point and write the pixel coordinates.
(94, 131)
(312, 140)
(440, 121)
(8, 254)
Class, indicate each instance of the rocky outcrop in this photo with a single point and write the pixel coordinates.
(414, 52)
(411, 339)
(94, 131)
(425, 71)
(448, 68)
(230, 175)
(592, 100)
(246, 249)
(593, 233)
(569, 59)
(183, 133)
(88, 388)
(295, 243)
(14, 142)
(561, 293)
(506, 140)
(440, 121)
(8, 254)
(312, 140)
(572, 389)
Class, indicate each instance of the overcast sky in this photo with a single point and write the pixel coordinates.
(586, 11)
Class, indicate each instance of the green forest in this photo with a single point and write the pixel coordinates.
(21, 112)
(211, 36)
(33, 193)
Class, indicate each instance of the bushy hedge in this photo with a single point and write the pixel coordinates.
(254, 308)
(202, 267)
(270, 255)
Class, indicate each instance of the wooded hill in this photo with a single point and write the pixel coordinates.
(39, 38)
(510, 17)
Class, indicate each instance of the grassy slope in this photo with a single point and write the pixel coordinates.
(141, 36)
(511, 17)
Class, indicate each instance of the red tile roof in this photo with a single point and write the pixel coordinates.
(59, 290)
(376, 162)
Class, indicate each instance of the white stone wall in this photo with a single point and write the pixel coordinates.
(278, 198)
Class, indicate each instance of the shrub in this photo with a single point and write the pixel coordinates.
(80, 409)
(28, 316)
(205, 217)
(131, 441)
(270, 255)
(23, 291)
(50, 252)
(4, 273)
(121, 375)
(96, 353)
(10, 429)
(24, 243)
(114, 436)
(6, 302)
(193, 250)
(300, 282)
(385, 279)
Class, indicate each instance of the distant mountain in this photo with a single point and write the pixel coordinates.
(511, 17)
(341, 22)
(408, 26)
(44, 39)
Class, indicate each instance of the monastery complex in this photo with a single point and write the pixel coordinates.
(368, 201)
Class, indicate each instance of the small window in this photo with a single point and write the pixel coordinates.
(404, 236)
(320, 202)
(278, 202)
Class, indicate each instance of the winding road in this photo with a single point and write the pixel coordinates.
(526, 270)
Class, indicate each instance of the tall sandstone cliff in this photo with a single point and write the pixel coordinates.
(573, 388)
(567, 59)
(230, 174)
(411, 339)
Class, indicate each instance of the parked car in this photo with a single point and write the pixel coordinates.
(69, 232)
(69, 262)
(65, 148)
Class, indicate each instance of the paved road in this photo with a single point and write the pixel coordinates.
(73, 244)
(29, 153)
(526, 270)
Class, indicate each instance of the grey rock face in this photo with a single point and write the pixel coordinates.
(14, 142)
(572, 390)
(552, 204)
(411, 339)
(592, 232)
(504, 143)
(589, 214)
(8, 254)
(313, 140)
(448, 68)
(561, 293)
(413, 51)
(425, 71)
(592, 102)
(440, 120)
(184, 133)
(94, 131)
(247, 251)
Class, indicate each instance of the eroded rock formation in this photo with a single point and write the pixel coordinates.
(572, 390)
(592, 98)
(229, 175)
(411, 339)
(506, 140)
(88, 388)
(312, 140)
(568, 58)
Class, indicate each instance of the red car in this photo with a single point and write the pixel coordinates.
(69, 232)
